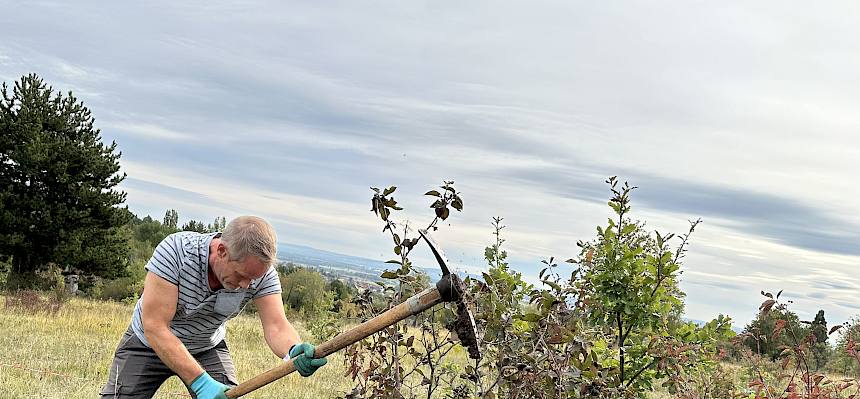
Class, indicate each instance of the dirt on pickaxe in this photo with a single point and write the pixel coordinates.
(448, 289)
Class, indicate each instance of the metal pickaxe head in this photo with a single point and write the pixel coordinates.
(453, 290)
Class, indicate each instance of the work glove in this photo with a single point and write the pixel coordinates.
(205, 387)
(303, 358)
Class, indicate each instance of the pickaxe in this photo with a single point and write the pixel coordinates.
(448, 289)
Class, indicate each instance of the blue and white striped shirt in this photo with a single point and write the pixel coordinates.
(201, 314)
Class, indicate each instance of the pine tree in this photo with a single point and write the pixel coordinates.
(819, 327)
(58, 197)
(820, 349)
(171, 219)
(193, 225)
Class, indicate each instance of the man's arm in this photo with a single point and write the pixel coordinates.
(279, 333)
(159, 306)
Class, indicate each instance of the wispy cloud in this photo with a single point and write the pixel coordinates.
(146, 130)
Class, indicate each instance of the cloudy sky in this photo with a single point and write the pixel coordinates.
(742, 114)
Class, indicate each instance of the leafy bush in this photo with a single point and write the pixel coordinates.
(396, 362)
(305, 291)
(92, 287)
(121, 288)
(609, 330)
(793, 376)
(323, 325)
(765, 325)
(629, 293)
(842, 361)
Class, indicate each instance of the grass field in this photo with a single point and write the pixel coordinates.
(67, 355)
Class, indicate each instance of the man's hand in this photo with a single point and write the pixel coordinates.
(205, 387)
(303, 358)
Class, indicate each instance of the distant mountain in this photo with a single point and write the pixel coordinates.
(318, 257)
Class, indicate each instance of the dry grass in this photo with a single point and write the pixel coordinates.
(67, 355)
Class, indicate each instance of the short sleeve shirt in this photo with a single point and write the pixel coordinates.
(201, 314)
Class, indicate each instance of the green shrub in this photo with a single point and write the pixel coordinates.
(92, 287)
(842, 361)
(610, 330)
(121, 288)
(323, 326)
(305, 290)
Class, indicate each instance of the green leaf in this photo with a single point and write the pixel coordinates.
(433, 193)
(629, 228)
(389, 274)
(389, 190)
(531, 317)
(552, 284)
(666, 258)
(457, 204)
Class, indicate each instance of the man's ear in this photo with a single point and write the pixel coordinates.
(222, 249)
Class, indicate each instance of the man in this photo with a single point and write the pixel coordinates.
(194, 284)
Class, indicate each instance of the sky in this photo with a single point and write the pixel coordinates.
(742, 114)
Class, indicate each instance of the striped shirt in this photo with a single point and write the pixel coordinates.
(201, 314)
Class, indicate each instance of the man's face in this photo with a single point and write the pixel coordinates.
(238, 273)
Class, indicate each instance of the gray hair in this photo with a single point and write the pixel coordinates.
(250, 235)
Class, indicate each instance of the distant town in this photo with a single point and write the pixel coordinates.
(355, 271)
(358, 272)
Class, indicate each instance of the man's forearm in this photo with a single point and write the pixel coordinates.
(281, 339)
(173, 353)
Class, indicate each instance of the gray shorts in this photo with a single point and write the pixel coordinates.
(136, 371)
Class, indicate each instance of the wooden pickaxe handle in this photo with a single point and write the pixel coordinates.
(416, 304)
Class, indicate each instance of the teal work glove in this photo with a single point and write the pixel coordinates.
(303, 358)
(205, 387)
